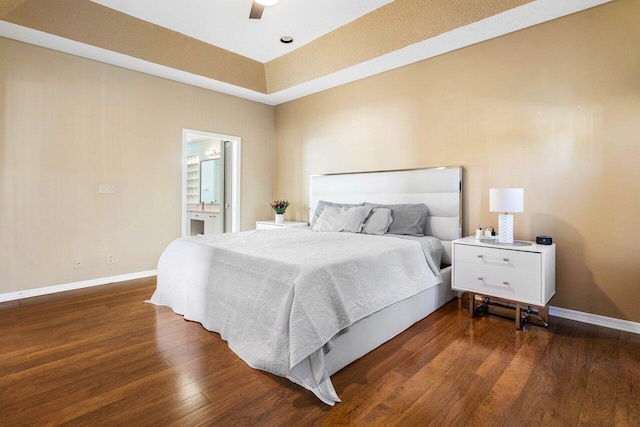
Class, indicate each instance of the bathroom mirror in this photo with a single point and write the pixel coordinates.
(210, 181)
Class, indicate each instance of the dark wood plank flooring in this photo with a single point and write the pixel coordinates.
(100, 356)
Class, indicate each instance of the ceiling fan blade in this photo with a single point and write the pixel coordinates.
(256, 10)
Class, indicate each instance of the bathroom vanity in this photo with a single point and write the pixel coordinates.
(203, 221)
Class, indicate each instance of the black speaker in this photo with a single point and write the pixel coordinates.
(544, 240)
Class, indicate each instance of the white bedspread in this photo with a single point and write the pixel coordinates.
(278, 296)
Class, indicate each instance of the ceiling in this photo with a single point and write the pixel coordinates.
(224, 23)
(212, 43)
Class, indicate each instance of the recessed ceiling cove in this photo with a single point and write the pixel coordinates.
(213, 44)
(226, 23)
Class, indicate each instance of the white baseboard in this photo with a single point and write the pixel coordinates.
(593, 319)
(11, 296)
(596, 319)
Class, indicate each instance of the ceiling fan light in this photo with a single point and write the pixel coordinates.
(267, 2)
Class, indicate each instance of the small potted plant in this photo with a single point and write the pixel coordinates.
(280, 207)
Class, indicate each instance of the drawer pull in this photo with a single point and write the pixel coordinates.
(489, 259)
(506, 283)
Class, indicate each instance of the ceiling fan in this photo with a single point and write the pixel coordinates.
(257, 7)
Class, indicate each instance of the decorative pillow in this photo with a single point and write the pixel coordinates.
(322, 205)
(409, 220)
(378, 222)
(342, 219)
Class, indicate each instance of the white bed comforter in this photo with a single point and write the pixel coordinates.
(278, 296)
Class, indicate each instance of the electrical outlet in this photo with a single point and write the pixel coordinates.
(106, 189)
(78, 263)
(110, 259)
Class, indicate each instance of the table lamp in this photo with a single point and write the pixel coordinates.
(506, 200)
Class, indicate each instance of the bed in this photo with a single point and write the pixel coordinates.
(303, 304)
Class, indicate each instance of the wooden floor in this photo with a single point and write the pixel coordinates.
(100, 356)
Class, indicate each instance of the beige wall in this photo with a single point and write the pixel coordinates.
(91, 23)
(554, 109)
(68, 124)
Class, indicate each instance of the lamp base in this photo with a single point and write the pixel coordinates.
(505, 228)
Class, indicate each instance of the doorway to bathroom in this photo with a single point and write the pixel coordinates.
(210, 183)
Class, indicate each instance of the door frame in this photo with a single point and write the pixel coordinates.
(236, 142)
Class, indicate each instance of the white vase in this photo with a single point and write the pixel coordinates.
(279, 219)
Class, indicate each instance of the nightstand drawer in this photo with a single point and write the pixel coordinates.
(518, 260)
(507, 283)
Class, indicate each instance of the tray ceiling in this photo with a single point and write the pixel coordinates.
(213, 44)
(225, 23)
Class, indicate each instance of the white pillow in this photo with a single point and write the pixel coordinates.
(342, 219)
(378, 222)
(322, 205)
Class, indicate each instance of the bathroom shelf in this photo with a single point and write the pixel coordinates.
(193, 179)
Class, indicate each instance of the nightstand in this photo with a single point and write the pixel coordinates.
(517, 275)
(271, 225)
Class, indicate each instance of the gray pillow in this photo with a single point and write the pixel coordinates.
(322, 205)
(378, 222)
(342, 219)
(409, 219)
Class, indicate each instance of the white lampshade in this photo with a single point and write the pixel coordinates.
(506, 200)
(267, 2)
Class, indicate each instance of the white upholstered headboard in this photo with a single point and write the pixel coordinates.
(438, 188)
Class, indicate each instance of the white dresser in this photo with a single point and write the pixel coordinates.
(271, 225)
(522, 274)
